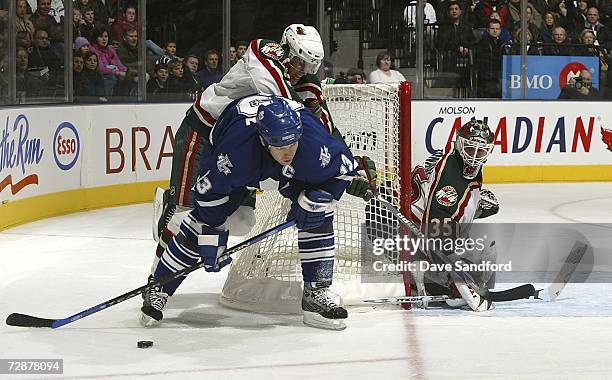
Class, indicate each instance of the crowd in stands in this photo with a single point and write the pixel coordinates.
(475, 32)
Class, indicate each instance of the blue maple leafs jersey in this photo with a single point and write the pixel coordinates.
(236, 159)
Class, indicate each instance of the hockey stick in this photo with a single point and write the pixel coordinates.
(24, 320)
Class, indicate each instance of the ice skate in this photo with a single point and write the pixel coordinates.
(322, 307)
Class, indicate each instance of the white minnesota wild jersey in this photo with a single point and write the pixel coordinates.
(260, 71)
(440, 193)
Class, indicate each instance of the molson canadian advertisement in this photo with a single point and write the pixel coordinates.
(562, 138)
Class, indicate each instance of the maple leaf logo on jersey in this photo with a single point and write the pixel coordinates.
(447, 196)
(272, 50)
(606, 137)
(224, 164)
(325, 156)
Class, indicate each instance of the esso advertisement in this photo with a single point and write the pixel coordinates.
(66, 146)
(526, 133)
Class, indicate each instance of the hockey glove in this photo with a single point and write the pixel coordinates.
(488, 204)
(310, 208)
(211, 245)
(360, 186)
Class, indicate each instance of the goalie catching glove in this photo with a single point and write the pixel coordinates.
(310, 208)
(488, 204)
(360, 186)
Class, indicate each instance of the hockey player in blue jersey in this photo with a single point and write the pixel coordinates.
(270, 143)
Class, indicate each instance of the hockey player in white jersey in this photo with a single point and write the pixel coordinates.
(272, 143)
(447, 195)
(284, 69)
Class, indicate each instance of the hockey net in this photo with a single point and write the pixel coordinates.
(375, 121)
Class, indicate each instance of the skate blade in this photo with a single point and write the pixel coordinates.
(158, 206)
(146, 321)
(317, 320)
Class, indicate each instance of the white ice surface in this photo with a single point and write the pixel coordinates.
(57, 267)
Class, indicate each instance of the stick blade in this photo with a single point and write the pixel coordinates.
(569, 267)
(23, 320)
(523, 291)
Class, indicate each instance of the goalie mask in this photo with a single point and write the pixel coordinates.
(474, 143)
(304, 42)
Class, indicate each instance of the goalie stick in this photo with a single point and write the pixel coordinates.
(513, 294)
(24, 320)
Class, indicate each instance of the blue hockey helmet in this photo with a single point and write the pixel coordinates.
(278, 124)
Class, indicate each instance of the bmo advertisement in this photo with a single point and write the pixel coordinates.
(546, 75)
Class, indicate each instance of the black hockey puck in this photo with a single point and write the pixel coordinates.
(144, 344)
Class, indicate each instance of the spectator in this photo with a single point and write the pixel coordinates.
(455, 39)
(23, 23)
(575, 14)
(514, 16)
(190, 78)
(175, 83)
(483, 10)
(157, 85)
(233, 57)
(504, 35)
(489, 61)
(124, 22)
(531, 24)
(549, 21)
(559, 45)
(169, 53)
(42, 20)
(384, 73)
(94, 83)
(587, 37)
(241, 48)
(99, 8)
(356, 76)
(109, 63)
(602, 33)
(42, 55)
(580, 88)
(128, 54)
(77, 75)
(210, 73)
(533, 47)
(24, 40)
(28, 85)
(77, 21)
(89, 24)
(81, 45)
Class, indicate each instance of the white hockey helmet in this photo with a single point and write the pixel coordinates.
(474, 142)
(305, 43)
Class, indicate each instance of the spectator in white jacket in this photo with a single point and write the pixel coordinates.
(384, 74)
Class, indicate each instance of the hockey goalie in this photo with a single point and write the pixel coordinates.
(446, 197)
